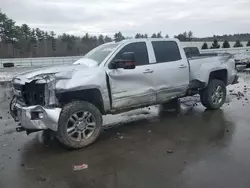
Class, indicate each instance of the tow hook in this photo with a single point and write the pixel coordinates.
(20, 129)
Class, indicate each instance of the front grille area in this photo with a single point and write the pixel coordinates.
(34, 94)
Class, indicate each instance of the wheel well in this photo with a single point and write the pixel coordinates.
(90, 95)
(220, 75)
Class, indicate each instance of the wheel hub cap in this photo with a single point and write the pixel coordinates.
(81, 125)
(217, 95)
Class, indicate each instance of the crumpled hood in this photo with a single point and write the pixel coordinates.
(55, 69)
(59, 69)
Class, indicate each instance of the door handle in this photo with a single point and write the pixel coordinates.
(182, 66)
(148, 71)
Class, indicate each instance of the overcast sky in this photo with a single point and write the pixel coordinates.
(204, 18)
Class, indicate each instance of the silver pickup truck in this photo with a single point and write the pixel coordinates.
(112, 78)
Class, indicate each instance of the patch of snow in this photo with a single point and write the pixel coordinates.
(6, 76)
(242, 56)
(131, 116)
(240, 90)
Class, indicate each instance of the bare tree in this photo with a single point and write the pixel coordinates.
(190, 35)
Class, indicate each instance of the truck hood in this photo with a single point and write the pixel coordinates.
(86, 67)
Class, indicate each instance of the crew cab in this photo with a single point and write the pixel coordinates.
(112, 78)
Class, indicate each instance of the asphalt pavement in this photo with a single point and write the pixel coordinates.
(145, 148)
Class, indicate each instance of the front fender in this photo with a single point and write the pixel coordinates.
(80, 82)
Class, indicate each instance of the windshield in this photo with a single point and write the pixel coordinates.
(100, 53)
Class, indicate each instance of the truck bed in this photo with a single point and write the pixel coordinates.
(202, 56)
(201, 66)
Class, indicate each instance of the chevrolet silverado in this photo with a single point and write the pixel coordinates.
(112, 78)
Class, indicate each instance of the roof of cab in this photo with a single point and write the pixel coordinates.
(147, 39)
(126, 41)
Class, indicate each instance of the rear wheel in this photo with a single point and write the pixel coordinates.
(214, 95)
(79, 124)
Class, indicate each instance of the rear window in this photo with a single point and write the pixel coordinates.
(193, 51)
(166, 51)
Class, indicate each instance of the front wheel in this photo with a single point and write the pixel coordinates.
(79, 124)
(214, 95)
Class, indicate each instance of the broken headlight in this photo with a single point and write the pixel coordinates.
(49, 82)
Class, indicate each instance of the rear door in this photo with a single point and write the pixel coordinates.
(172, 70)
(132, 87)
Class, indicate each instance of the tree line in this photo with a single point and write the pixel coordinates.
(225, 44)
(24, 41)
(234, 37)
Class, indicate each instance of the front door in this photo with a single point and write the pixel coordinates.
(133, 87)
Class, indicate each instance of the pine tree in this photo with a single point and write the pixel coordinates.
(154, 35)
(190, 35)
(39, 34)
(185, 35)
(3, 19)
(53, 40)
(107, 39)
(46, 35)
(225, 44)
(138, 36)
(33, 42)
(166, 36)
(8, 29)
(119, 37)
(182, 36)
(215, 44)
(101, 39)
(238, 44)
(204, 46)
(248, 43)
(159, 35)
(25, 30)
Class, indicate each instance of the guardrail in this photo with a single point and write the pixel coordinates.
(40, 61)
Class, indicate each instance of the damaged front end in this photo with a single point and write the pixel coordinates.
(34, 103)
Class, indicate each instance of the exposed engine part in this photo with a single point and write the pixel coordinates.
(37, 92)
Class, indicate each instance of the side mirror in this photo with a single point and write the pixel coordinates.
(127, 61)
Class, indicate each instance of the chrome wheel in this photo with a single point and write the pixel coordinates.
(81, 125)
(217, 95)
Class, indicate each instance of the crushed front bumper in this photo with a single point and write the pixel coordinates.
(35, 117)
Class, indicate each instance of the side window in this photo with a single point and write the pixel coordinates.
(140, 52)
(187, 51)
(195, 51)
(166, 51)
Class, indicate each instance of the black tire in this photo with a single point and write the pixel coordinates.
(7, 65)
(206, 94)
(67, 111)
